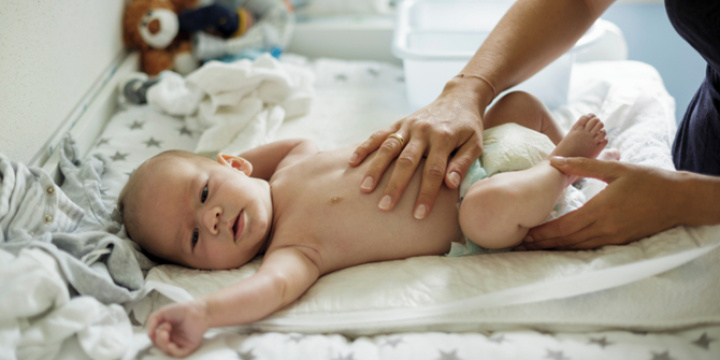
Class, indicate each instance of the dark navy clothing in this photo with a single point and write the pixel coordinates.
(697, 143)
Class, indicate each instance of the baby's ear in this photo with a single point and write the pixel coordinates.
(236, 162)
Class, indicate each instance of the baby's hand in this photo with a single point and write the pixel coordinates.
(178, 329)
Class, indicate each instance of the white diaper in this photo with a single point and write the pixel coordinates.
(512, 147)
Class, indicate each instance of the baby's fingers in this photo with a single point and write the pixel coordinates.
(176, 351)
(152, 326)
(161, 336)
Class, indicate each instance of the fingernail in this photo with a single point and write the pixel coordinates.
(385, 202)
(367, 184)
(558, 160)
(353, 158)
(454, 179)
(420, 212)
(528, 239)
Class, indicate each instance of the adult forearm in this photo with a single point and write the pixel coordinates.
(531, 35)
(699, 205)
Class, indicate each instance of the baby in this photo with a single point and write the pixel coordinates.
(303, 210)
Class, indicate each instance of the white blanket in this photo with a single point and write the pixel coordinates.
(237, 106)
(657, 283)
(39, 315)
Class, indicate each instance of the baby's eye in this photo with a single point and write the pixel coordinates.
(195, 237)
(204, 194)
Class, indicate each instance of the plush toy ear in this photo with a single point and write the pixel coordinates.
(236, 162)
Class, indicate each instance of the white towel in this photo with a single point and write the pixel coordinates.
(236, 106)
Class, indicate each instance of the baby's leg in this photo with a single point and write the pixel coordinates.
(497, 212)
(523, 109)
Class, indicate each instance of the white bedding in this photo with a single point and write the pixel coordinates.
(659, 284)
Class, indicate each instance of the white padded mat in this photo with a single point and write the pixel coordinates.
(541, 289)
(435, 293)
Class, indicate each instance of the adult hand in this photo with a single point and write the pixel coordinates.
(638, 201)
(178, 329)
(451, 123)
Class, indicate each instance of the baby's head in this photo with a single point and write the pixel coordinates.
(197, 212)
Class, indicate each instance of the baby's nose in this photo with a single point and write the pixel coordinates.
(211, 219)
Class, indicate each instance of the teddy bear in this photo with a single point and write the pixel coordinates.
(161, 30)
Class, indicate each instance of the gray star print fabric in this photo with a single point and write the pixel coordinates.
(136, 133)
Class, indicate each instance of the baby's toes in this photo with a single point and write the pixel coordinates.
(583, 121)
(601, 136)
(591, 125)
(597, 125)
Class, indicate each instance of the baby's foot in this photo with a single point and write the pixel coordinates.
(585, 139)
(609, 155)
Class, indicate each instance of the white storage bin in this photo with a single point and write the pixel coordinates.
(436, 38)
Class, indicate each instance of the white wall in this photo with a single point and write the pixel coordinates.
(51, 53)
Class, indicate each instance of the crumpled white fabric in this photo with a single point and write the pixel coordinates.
(32, 285)
(237, 106)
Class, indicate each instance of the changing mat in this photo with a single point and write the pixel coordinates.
(661, 282)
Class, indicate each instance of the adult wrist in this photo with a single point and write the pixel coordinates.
(477, 88)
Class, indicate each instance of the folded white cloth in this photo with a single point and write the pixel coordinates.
(236, 106)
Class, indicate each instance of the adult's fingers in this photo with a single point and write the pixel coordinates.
(562, 231)
(404, 170)
(595, 242)
(606, 171)
(462, 161)
(386, 154)
(572, 228)
(432, 178)
(368, 146)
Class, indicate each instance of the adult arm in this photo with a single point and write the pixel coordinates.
(639, 201)
(283, 277)
(449, 130)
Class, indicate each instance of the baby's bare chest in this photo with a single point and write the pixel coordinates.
(318, 203)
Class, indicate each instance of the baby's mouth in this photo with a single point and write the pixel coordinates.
(239, 226)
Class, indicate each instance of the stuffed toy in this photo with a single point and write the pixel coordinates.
(161, 30)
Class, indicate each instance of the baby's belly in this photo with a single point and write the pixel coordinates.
(347, 225)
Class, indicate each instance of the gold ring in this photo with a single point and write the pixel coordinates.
(397, 137)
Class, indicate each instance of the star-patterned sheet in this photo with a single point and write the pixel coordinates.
(372, 94)
(699, 344)
(136, 133)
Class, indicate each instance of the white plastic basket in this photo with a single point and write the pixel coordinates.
(436, 38)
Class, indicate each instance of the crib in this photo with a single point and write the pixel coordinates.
(652, 299)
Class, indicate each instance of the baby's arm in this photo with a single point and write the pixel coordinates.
(267, 159)
(284, 276)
